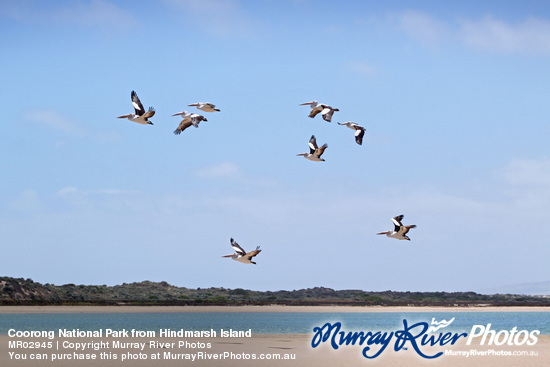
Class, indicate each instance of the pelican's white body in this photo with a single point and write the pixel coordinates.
(314, 151)
(400, 231)
(241, 255)
(188, 120)
(325, 110)
(140, 116)
(359, 131)
(205, 106)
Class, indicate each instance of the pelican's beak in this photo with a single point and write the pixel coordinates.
(301, 154)
(228, 255)
(303, 104)
(383, 233)
(123, 117)
(179, 113)
(193, 104)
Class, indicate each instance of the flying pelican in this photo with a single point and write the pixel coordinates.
(359, 131)
(326, 110)
(188, 120)
(400, 231)
(314, 152)
(240, 255)
(141, 117)
(205, 106)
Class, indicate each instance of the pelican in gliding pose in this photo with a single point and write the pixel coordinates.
(241, 255)
(314, 151)
(399, 231)
(325, 109)
(140, 116)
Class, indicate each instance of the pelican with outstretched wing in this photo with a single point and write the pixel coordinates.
(325, 110)
(205, 106)
(241, 255)
(188, 120)
(315, 152)
(359, 131)
(400, 231)
(140, 116)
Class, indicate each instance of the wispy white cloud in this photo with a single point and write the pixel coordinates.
(223, 170)
(525, 187)
(534, 172)
(67, 190)
(96, 14)
(219, 17)
(361, 68)
(421, 26)
(531, 36)
(55, 120)
(114, 199)
(27, 201)
(71, 190)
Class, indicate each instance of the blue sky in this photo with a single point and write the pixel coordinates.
(453, 98)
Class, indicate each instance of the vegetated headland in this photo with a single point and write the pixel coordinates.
(19, 291)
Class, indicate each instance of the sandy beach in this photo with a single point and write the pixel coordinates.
(255, 350)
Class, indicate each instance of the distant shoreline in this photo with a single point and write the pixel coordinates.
(26, 292)
(252, 309)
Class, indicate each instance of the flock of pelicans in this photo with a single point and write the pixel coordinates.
(315, 152)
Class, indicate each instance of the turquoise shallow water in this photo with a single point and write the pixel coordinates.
(272, 323)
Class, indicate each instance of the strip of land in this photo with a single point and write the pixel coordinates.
(26, 292)
(273, 308)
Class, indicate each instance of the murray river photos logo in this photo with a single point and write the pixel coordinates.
(420, 336)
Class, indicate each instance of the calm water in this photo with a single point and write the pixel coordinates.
(271, 323)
